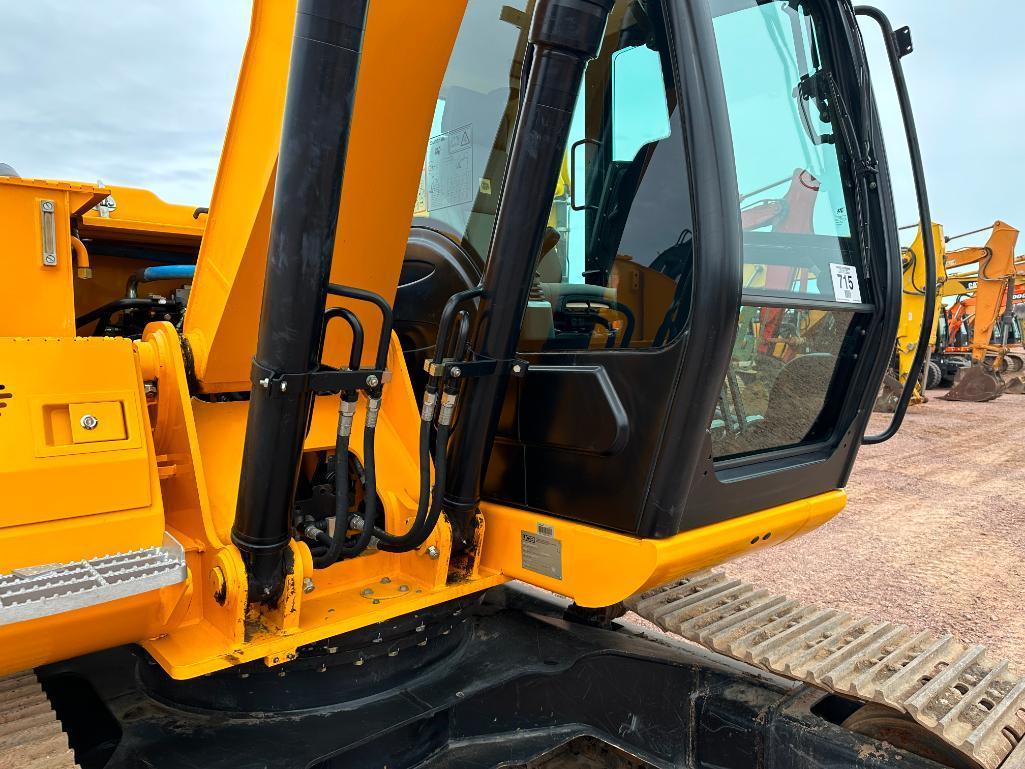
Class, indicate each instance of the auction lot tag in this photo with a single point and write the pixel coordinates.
(541, 552)
(845, 283)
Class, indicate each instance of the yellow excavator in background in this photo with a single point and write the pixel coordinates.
(995, 277)
(912, 308)
(549, 386)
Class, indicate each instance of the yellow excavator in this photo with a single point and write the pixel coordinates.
(360, 466)
(913, 301)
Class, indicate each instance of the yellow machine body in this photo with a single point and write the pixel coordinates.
(166, 455)
(913, 301)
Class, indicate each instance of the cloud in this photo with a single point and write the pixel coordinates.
(965, 83)
(136, 95)
(139, 94)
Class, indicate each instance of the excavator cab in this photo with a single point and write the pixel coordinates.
(580, 295)
(646, 408)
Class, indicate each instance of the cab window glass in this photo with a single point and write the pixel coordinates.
(804, 290)
(614, 270)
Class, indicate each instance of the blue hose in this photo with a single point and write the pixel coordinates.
(168, 272)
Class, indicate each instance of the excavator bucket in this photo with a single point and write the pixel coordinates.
(977, 384)
(1015, 385)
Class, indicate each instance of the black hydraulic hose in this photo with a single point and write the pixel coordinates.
(118, 305)
(429, 505)
(335, 544)
(370, 508)
(387, 317)
(356, 353)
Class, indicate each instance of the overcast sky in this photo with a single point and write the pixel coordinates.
(137, 92)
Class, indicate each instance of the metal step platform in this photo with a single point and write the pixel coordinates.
(30, 734)
(42, 591)
(972, 700)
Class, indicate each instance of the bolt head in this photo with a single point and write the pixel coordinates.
(457, 372)
(373, 381)
(403, 588)
(88, 422)
(517, 368)
(432, 553)
(265, 383)
(284, 386)
(50, 260)
(385, 580)
(308, 586)
(47, 205)
(366, 591)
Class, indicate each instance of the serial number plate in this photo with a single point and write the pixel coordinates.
(541, 554)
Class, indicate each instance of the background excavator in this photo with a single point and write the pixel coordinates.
(913, 300)
(954, 343)
(200, 565)
(991, 307)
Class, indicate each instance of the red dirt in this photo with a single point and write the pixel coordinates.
(934, 532)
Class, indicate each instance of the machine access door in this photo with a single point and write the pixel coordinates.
(817, 313)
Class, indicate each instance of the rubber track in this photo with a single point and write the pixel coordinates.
(30, 734)
(971, 699)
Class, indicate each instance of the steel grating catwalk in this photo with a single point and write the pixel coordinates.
(971, 699)
(30, 734)
(41, 591)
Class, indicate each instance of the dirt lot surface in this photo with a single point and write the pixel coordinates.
(934, 532)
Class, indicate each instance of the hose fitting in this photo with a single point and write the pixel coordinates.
(448, 408)
(373, 408)
(346, 411)
(430, 406)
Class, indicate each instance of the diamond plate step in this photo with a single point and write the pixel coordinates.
(969, 698)
(30, 734)
(41, 591)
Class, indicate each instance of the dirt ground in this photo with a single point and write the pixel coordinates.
(934, 532)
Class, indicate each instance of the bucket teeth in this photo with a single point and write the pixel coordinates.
(973, 702)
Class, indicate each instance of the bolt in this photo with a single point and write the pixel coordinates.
(403, 588)
(89, 422)
(308, 586)
(47, 205)
(359, 661)
(321, 668)
(277, 660)
(385, 580)
(150, 388)
(432, 553)
(376, 601)
(373, 381)
(457, 372)
(332, 650)
(290, 656)
(517, 368)
(379, 639)
(284, 386)
(265, 383)
(393, 652)
(421, 627)
(243, 675)
(50, 260)
(282, 674)
(422, 643)
(366, 591)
